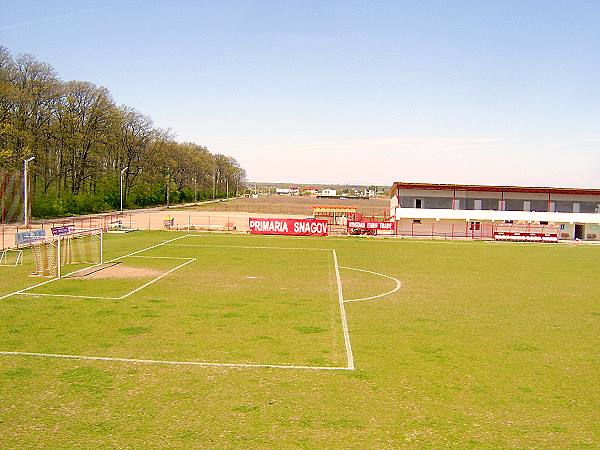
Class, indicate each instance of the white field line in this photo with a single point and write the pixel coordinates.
(249, 247)
(154, 280)
(159, 257)
(85, 268)
(67, 295)
(176, 363)
(157, 278)
(349, 356)
(398, 285)
(148, 248)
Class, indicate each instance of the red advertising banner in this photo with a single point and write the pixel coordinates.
(365, 227)
(288, 227)
(374, 226)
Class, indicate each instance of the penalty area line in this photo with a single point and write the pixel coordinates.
(173, 363)
(250, 247)
(157, 278)
(20, 291)
(34, 294)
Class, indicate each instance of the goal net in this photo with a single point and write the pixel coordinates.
(76, 247)
(11, 257)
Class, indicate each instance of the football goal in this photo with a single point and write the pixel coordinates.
(76, 247)
(11, 257)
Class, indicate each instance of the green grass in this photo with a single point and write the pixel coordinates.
(485, 345)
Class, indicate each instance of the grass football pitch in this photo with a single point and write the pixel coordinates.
(243, 341)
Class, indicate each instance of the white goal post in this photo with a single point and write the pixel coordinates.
(75, 247)
(11, 257)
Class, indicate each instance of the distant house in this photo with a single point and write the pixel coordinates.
(328, 192)
(292, 190)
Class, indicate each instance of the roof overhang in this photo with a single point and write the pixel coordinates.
(485, 188)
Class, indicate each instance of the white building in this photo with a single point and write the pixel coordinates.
(328, 193)
(473, 210)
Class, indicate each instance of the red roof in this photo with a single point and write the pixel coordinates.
(486, 188)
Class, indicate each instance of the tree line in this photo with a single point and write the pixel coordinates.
(82, 140)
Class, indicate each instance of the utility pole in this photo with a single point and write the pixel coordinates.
(214, 185)
(168, 187)
(121, 184)
(26, 189)
(195, 191)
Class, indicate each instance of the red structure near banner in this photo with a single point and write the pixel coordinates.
(288, 227)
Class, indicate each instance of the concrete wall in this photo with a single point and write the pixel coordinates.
(448, 229)
(591, 232)
(444, 229)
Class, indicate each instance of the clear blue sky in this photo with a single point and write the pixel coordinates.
(340, 91)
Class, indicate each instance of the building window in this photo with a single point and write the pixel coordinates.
(417, 221)
(418, 203)
(552, 207)
(501, 205)
(477, 204)
(527, 205)
(576, 207)
(456, 203)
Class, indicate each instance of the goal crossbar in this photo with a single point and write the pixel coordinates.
(75, 247)
(11, 257)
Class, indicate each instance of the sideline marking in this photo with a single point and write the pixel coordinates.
(174, 363)
(249, 246)
(398, 285)
(349, 355)
(85, 268)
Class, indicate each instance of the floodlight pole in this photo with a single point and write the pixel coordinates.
(168, 188)
(195, 191)
(26, 188)
(214, 185)
(121, 178)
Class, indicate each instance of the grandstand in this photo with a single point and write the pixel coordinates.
(486, 212)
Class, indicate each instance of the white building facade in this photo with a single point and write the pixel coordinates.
(453, 210)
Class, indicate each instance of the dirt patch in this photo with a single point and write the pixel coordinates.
(295, 205)
(117, 271)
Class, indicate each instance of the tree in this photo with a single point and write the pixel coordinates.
(82, 140)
